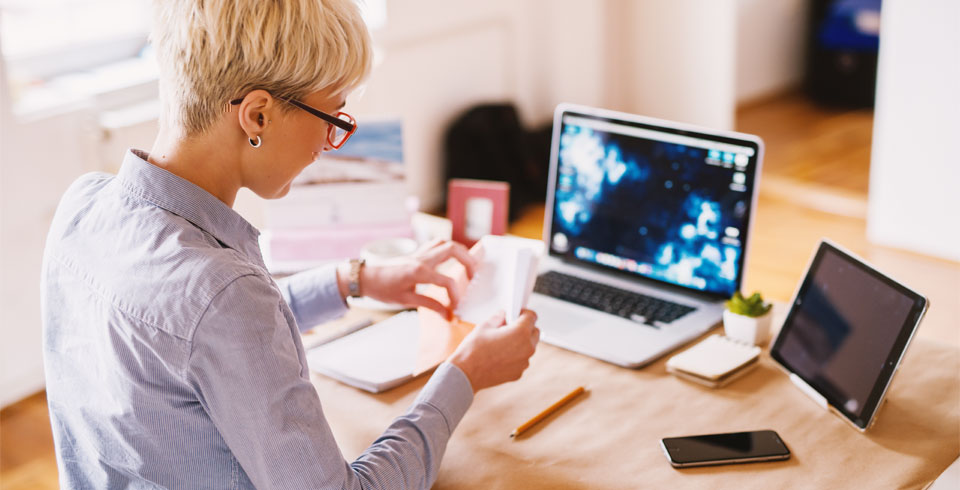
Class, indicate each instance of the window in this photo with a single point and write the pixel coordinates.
(45, 38)
(58, 50)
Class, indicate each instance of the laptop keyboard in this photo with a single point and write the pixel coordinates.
(609, 299)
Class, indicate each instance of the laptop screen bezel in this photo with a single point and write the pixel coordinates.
(674, 128)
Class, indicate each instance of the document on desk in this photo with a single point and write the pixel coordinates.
(503, 280)
(406, 345)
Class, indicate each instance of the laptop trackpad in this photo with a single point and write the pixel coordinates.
(558, 317)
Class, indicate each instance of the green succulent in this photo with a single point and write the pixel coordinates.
(752, 306)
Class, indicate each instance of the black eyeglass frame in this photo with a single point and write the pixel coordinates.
(336, 121)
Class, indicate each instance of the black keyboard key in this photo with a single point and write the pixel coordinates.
(609, 299)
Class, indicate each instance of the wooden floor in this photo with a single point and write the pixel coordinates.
(814, 183)
(811, 145)
(26, 446)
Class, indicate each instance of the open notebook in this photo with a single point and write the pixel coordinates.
(410, 343)
(369, 358)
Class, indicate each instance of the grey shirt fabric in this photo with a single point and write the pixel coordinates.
(174, 360)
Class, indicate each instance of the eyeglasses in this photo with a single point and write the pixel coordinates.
(342, 125)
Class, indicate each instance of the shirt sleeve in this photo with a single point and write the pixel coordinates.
(249, 375)
(313, 296)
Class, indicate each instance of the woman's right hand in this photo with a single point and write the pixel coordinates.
(396, 281)
(495, 353)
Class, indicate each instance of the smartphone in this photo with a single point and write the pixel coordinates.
(734, 447)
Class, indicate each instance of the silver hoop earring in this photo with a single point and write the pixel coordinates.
(257, 143)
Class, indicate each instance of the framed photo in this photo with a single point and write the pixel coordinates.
(477, 208)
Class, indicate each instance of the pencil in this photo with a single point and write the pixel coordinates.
(544, 414)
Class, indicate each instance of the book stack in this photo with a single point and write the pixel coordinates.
(345, 199)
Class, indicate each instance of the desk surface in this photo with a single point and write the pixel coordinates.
(610, 437)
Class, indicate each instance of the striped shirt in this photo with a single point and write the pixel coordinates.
(174, 360)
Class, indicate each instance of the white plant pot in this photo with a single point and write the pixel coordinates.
(752, 330)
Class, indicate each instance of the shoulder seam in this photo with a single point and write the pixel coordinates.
(64, 261)
(196, 324)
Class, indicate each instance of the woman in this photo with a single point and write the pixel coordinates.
(172, 358)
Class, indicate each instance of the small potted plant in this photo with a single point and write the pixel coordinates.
(747, 319)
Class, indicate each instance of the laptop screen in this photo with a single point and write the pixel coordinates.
(663, 203)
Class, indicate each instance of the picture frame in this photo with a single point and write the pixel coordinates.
(477, 208)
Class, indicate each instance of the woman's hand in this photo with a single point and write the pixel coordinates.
(396, 281)
(495, 353)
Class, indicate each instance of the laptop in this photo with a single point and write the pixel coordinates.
(646, 227)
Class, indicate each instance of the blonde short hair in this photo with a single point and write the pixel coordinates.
(212, 51)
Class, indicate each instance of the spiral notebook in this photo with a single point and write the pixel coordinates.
(715, 361)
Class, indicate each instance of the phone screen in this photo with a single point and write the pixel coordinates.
(736, 447)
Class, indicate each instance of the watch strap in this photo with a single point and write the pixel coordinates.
(353, 280)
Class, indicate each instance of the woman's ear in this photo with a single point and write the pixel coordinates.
(254, 112)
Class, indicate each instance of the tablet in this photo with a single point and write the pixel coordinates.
(845, 335)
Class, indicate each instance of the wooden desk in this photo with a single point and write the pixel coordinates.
(609, 438)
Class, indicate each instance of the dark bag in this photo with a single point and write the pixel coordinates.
(487, 142)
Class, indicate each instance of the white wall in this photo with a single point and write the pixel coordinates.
(771, 39)
(434, 67)
(915, 168)
(677, 59)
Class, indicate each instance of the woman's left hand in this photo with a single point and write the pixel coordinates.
(396, 281)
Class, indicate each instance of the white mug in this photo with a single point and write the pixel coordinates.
(382, 250)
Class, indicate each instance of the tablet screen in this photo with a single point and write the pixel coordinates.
(846, 332)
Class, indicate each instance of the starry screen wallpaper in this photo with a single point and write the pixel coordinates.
(673, 212)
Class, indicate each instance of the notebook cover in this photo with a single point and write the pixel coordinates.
(375, 358)
(714, 357)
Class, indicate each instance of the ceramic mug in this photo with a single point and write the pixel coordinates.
(385, 249)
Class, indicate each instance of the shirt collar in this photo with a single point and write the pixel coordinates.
(187, 200)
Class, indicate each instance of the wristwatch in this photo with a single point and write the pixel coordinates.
(353, 284)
